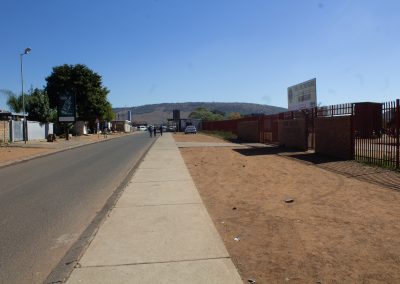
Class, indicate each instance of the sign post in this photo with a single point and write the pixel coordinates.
(303, 95)
(66, 110)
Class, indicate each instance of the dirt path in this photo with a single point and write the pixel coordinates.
(337, 229)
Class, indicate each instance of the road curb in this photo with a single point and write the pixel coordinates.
(64, 268)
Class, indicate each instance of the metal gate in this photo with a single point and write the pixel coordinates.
(17, 131)
(376, 133)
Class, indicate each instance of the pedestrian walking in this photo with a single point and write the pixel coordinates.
(105, 132)
(161, 130)
(150, 131)
(155, 131)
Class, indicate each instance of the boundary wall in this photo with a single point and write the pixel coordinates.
(364, 131)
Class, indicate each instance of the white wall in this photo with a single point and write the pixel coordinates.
(38, 131)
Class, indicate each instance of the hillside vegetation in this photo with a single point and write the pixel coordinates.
(156, 113)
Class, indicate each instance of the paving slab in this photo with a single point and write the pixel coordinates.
(154, 156)
(207, 144)
(159, 193)
(166, 174)
(165, 146)
(162, 164)
(162, 156)
(171, 147)
(211, 271)
(155, 234)
(163, 153)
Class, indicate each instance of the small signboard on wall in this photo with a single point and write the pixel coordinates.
(66, 108)
(303, 95)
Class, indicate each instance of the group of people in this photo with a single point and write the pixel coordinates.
(153, 130)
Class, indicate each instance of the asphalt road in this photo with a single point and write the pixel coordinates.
(46, 203)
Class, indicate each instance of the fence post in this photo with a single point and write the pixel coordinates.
(4, 132)
(315, 115)
(397, 132)
(352, 134)
(11, 131)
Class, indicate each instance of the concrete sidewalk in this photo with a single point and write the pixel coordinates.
(159, 230)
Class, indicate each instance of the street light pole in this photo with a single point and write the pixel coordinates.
(24, 124)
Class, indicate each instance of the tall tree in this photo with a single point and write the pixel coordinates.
(91, 95)
(109, 115)
(14, 101)
(36, 104)
(38, 107)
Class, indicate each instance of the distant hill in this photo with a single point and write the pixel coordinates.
(156, 113)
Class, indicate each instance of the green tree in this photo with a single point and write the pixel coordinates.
(38, 107)
(14, 101)
(109, 115)
(205, 114)
(234, 115)
(91, 95)
(216, 111)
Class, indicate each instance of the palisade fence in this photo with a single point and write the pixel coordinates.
(373, 131)
(376, 134)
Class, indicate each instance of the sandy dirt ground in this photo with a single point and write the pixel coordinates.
(336, 230)
(8, 154)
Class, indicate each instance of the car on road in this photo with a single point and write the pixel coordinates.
(171, 128)
(142, 128)
(190, 129)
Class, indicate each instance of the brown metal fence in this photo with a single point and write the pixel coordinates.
(374, 129)
(376, 133)
(268, 128)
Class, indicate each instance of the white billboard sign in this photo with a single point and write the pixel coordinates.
(303, 95)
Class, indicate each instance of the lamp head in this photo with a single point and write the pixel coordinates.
(27, 50)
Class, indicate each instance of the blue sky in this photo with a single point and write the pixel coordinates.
(155, 51)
